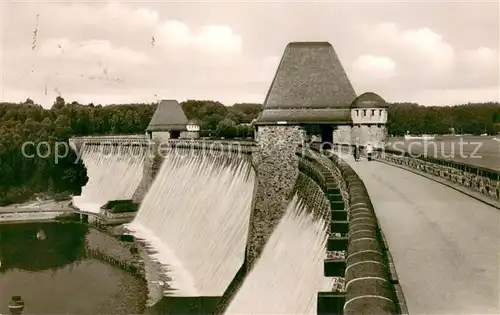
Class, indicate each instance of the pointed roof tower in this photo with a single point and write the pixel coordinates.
(168, 116)
(310, 86)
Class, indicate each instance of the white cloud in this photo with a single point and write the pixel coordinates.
(429, 49)
(421, 54)
(173, 34)
(214, 38)
(169, 34)
(481, 58)
(211, 38)
(374, 67)
(112, 15)
(93, 50)
(218, 51)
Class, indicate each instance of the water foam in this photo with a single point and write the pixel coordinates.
(112, 174)
(289, 274)
(196, 215)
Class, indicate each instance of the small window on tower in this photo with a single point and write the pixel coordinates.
(357, 112)
(380, 112)
(364, 112)
(373, 112)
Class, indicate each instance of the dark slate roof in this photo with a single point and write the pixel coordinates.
(369, 100)
(168, 116)
(305, 116)
(309, 77)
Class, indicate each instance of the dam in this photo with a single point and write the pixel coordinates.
(280, 225)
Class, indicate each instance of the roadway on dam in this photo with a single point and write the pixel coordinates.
(445, 245)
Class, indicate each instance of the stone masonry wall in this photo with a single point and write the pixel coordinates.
(360, 134)
(342, 134)
(147, 174)
(482, 184)
(369, 134)
(276, 167)
(341, 183)
(190, 135)
(313, 197)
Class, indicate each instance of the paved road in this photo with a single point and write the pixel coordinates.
(445, 245)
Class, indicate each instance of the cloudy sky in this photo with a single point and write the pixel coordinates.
(433, 52)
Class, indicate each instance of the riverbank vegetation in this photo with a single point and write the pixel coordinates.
(22, 177)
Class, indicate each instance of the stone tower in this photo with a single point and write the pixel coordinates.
(168, 121)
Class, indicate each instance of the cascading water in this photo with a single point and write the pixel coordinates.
(114, 173)
(196, 216)
(289, 274)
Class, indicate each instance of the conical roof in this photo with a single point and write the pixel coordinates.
(167, 117)
(310, 86)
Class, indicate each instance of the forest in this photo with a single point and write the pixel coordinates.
(22, 178)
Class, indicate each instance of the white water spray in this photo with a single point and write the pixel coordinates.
(289, 274)
(196, 216)
(113, 175)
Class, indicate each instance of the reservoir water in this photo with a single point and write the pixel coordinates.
(55, 276)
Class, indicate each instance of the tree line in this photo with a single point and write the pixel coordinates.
(20, 123)
(21, 177)
(472, 118)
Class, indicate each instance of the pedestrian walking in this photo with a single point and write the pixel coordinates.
(369, 151)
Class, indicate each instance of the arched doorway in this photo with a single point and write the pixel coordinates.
(327, 136)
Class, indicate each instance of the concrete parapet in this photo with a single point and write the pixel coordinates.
(130, 140)
(210, 146)
(369, 289)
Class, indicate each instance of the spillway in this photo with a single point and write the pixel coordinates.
(289, 274)
(196, 216)
(113, 172)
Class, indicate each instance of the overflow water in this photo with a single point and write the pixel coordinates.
(289, 274)
(114, 173)
(196, 216)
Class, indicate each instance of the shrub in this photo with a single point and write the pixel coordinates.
(121, 206)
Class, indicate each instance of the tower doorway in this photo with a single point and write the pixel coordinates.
(327, 136)
(174, 134)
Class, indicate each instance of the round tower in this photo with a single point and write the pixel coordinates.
(369, 120)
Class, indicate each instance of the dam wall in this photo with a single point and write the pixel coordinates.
(357, 264)
(156, 153)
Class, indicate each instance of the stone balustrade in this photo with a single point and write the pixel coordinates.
(484, 181)
(139, 140)
(209, 146)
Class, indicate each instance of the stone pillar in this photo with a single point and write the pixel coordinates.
(147, 172)
(276, 169)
